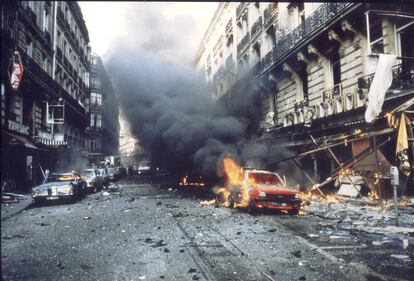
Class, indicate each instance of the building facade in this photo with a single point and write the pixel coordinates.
(311, 66)
(43, 114)
(103, 130)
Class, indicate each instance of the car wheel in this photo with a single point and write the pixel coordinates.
(251, 209)
(293, 212)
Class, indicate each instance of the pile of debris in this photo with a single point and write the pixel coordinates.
(371, 220)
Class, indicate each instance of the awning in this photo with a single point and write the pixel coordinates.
(13, 139)
(49, 142)
(405, 106)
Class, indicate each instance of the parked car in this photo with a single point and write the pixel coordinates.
(104, 176)
(144, 167)
(112, 174)
(262, 190)
(122, 172)
(60, 186)
(93, 180)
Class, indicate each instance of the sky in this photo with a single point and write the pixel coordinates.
(173, 30)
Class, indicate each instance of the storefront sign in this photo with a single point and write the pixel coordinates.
(17, 127)
(15, 70)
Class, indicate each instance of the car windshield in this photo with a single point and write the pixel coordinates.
(264, 178)
(144, 164)
(88, 174)
(60, 177)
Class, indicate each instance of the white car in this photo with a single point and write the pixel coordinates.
(144, 167)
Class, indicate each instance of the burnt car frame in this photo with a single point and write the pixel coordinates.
(60, 186)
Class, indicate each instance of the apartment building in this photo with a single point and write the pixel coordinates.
(311, 66)
(44, 84)
(103, 129)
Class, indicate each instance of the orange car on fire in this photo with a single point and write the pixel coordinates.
(259, 189)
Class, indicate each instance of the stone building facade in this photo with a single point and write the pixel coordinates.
(103, 129)
(51, 41)
(311, 66)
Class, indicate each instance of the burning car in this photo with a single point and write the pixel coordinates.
(257, 189)
(59, 186)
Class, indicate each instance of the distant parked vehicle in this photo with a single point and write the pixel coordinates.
(60, 186)
(104, 176)
(144, 167)
(93, 180)
(113, 174)
(122, 172)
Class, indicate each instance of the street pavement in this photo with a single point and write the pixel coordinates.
(148, 232)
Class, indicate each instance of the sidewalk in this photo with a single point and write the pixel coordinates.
(10, 209)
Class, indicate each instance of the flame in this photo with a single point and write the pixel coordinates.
(208, 202)
(234, 180)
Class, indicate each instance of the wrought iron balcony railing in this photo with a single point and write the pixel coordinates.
(402, 76)
(242, 6)
(269, 12)
(314, 22)
(243, 43)
(256, 27)
(267, 60)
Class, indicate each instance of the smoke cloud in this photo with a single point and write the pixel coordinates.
(168, 106)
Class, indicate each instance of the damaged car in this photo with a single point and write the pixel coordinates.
(259, 190)
(93, 180)
(58, 186)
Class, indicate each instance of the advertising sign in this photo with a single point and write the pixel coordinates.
(15, 70)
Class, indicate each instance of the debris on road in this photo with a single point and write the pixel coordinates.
(9, 199)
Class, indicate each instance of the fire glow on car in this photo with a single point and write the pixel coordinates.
(255, 189)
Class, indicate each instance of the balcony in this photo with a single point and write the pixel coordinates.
(59, 53)
(38, 74)
(243, 43)
(95, 106)
(402, 76)
(48, 37)
(269, 12)
(31, 14)
(240, 9)
(312, 24)
(256, 28)
(267, 60)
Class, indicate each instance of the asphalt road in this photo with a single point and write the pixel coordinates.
(151, 233)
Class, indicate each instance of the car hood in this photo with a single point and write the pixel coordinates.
(52, 184)
(274, 190)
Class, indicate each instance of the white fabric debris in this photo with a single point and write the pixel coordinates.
(380, 84)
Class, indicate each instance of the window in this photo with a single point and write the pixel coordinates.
(96, 98)
(44, 63)
(29, 47)
(99, 120)
(376, 39)
(93, 119)
(304, 80)
(31, 5)
(46, 19)
(335, 70)
(92, 145)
